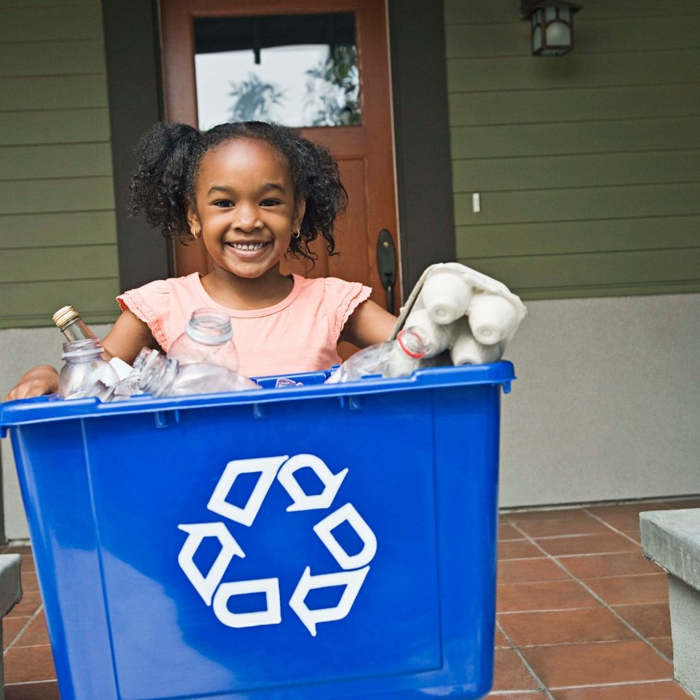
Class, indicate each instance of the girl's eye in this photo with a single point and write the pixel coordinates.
(223, 203)
(270, 202)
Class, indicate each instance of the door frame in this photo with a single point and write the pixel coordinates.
(421, 132)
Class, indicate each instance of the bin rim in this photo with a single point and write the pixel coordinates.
(51, 408)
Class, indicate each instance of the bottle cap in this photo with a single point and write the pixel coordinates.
(412, 343)
(64, 316)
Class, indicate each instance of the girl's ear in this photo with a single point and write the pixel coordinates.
(299, 211)
(193, 222)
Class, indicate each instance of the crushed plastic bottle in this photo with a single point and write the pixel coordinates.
(128, 385)
(208, 338)
(85, 373)
(156, 374)
(393, 358)
(200, 378)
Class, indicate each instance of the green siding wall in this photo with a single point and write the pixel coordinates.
(588, 165)
(57, 225)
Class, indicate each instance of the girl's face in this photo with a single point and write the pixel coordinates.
(245, 207)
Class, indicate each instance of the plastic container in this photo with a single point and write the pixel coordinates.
(314, 541)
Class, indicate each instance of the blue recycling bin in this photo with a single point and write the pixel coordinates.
(318, 541)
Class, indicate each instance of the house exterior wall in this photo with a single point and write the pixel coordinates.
(589, 176)
(606, 404)
(57, 227)
(587, 164)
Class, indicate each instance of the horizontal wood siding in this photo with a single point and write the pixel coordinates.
(587, 165)
(57, 223)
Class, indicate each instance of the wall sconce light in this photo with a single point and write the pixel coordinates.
(551, 25)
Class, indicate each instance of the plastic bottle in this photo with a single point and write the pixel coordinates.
(208, 338)
(437, 336)
(446, 295)
(492, 318)
(393, 358)
(128, 384)
(85, 373)
(69, 322)
(466, 350)
(156, 374)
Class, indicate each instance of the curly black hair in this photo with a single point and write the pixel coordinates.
(169, 156)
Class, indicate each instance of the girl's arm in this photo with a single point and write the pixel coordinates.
(369, 324)
(127, 337)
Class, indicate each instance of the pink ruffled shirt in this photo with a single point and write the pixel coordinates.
(298, 334)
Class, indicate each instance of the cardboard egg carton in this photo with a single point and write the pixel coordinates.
(464, 316)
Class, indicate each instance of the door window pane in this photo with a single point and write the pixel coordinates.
(296, 70)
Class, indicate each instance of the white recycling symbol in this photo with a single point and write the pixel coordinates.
(216, 593)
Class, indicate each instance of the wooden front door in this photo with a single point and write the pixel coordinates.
(360, 138)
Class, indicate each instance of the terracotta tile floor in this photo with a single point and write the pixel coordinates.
(581, 614)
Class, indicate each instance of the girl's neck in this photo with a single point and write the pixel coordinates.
(243, 293)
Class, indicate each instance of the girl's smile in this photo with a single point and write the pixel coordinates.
(249, 250)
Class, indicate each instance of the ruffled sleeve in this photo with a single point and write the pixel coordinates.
(152, 305)
(341, 299)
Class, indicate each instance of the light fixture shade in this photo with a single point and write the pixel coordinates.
(551, 26)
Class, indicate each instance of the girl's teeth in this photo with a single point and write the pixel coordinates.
(249, 246)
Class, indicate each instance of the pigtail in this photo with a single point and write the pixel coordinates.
(319, 183)
(161, 186)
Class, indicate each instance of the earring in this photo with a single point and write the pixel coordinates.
(296, 234)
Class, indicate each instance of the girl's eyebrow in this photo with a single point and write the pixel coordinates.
(267, 186)
(219, 188)
(274, 186)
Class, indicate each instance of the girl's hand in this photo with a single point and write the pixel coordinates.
(36, 382)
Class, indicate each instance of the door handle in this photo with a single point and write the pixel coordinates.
(386, 265)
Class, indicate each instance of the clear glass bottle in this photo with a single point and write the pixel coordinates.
(84, 372)
(69, 322)
(208, 338)
(393, 358)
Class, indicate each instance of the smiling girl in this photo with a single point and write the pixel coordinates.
(253, 192)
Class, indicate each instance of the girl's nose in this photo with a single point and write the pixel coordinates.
(247, 218)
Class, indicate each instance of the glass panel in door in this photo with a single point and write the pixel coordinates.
(299, 70)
